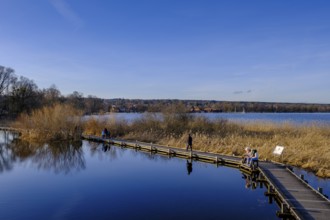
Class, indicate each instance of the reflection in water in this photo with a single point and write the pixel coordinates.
(7, 136)
(105, 147)
(6, 156)
(251, 180)
(61, 157)
(103, 150)
(189, 166)
(124, 179)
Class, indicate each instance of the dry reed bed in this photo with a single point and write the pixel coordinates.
(58, 122)
(306, 146)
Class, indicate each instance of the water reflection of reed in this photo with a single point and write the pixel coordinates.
(61, 157)
(7, 158)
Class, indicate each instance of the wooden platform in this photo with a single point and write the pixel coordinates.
(9, 129)
(297, 199)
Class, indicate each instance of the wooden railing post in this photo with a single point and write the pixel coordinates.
(320, 189)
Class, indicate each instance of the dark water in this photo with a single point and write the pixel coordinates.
(315, 181)
(91, 181)
(293, 118)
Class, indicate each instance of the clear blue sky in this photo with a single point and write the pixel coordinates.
(248, 50)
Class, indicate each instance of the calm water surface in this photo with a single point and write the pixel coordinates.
(93, 181)
(294, 118)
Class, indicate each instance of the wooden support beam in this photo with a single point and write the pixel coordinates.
(284, 212)
(320, 189)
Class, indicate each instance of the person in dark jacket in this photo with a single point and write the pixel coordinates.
(189, 143)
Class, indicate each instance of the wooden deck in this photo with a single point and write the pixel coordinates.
(9, 129)
(297, 199)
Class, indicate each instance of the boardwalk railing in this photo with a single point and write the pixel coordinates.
(10, 129)
(295, 197)
(171, 151)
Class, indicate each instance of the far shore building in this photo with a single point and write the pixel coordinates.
(195, 109)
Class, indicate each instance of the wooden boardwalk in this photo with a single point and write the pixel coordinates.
(9, 129)
(297, 199)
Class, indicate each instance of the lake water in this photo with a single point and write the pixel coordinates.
(86, 180)
(92, 181)
(294, 118)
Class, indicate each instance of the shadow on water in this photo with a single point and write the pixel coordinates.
(61, 157)
(189, 166)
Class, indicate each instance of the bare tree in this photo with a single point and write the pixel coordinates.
(6, 78)
(93, 104)
(51, 95)
(76, 99)
(24, 96)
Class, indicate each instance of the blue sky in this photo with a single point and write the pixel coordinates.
(266, 50)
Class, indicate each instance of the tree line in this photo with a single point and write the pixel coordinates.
(19, 94)
(140, 105)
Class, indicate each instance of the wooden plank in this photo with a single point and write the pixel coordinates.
(297, 193)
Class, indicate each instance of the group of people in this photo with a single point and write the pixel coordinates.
(250, 156)
(105, 133)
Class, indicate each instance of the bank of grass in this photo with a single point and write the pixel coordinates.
(306, 146)
(51, 123)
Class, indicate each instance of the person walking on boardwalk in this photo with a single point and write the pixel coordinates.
(189, 142)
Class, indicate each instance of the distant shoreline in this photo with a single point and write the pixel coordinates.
(293, 118)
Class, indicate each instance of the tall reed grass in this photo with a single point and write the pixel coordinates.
(58, 122)
(306, 146)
